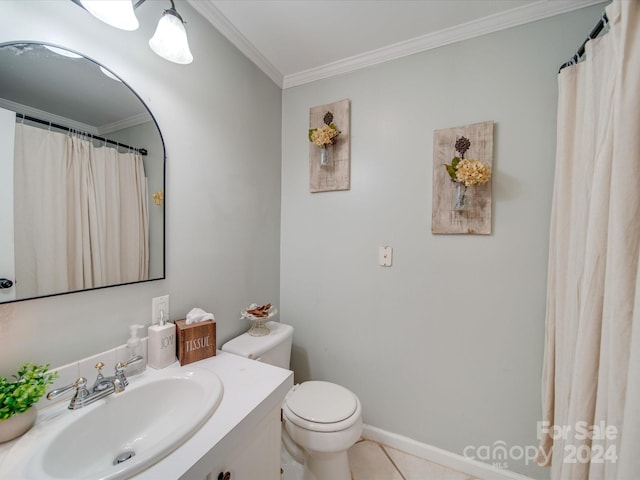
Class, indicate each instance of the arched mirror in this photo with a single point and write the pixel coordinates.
(82, 165)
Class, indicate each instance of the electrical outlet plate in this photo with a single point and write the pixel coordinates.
(157, 304)
(385, 255)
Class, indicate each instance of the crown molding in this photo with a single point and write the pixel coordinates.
(493, 23)
(465, 31)
(124, 123)
(228, 30)
(73, 124)
(48, 117)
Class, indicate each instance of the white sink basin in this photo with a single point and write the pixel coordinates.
(156, 413)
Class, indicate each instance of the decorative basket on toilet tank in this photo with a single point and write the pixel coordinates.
(258, 315)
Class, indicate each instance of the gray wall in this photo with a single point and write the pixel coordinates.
(220, 118)
(446, 346)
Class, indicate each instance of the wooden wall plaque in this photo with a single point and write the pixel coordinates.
(477, 218)
(337, 176)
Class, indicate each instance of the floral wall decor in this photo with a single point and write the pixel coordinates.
(462, 159)
(325, 137)
(158, 197)
(329, 152)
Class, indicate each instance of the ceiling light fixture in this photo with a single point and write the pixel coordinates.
(117, 13)
(170, 38)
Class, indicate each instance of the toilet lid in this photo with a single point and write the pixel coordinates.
(322, 402)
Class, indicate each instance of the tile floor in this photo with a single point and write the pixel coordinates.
(372, 461)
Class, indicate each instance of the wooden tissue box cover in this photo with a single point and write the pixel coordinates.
(196, 341)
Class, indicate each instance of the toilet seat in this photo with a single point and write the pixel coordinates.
(321, 407)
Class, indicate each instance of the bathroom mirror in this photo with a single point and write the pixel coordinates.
(82, 176)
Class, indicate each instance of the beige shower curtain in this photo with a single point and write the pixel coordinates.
(591, 375)
(81, 214)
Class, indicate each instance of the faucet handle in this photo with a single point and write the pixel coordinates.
(120, 366)
(79, 384)
(81, 394)
(99, 367)
(134, 359)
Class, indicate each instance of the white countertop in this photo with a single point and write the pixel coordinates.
(251, 390)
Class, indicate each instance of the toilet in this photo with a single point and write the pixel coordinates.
(322, 420)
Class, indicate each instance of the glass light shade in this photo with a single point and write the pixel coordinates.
(117, 13)
(170, 40)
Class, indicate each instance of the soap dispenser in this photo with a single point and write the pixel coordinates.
(161, 346)
(134, 347)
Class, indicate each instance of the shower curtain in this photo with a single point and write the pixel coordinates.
(81, 214)
(591, 375)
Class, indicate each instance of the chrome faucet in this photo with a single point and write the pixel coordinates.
(102, 387)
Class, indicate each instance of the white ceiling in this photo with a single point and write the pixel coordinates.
(298, 41)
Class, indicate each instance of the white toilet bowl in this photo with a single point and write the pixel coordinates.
(324, 420)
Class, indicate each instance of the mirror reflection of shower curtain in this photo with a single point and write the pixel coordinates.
(82, 213)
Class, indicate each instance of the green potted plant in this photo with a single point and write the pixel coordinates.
(18, 396)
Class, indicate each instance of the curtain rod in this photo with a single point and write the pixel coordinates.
(141, 151)
(604, 21)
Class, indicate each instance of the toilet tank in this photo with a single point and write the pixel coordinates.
(274, 349)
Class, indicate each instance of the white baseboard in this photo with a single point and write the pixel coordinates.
(482, 471)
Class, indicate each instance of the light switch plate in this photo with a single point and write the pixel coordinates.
(385, 256)
(157, 304)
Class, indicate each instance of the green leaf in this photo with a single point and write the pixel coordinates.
(30, 384)
(450, 170)
(311, 130)
(455, 162)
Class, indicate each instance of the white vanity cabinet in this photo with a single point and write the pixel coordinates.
(243, 435)
(257, 457)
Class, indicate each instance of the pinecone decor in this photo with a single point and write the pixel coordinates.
(328, 118)
(462, 145)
